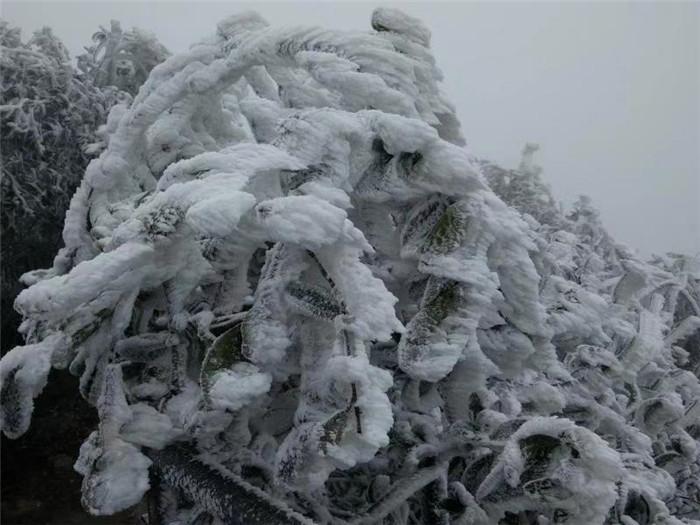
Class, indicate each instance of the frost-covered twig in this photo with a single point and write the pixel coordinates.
(220, 492)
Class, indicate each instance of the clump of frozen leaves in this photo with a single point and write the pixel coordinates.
(286, 258)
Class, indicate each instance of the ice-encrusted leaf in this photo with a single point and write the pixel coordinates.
(225, 350)
(23, 374)
(295, 458)
(434, 341)
(114, 479)
(448, 232)
(219, 216)
(238, 386)
(537, 451)
(366, 298)
(145, 347)
(313, 301)
(308, 221)
(420, 222)
(265, 331)
(333, 428)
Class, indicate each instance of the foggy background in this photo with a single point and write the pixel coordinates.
(611, 91)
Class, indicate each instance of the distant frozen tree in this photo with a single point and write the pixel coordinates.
(53, 121)
(524, 188)
(121, 59)
(49, 116)
(293, 298)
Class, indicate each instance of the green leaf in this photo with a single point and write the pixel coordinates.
(225, 351)
(313, 301)
(83, 333)
(334, 428)
(441, 298)
(420, 222)
(449, 232)
(538, 450)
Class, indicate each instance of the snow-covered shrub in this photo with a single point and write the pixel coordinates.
(287, 275)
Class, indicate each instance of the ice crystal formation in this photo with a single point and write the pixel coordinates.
(294, 296)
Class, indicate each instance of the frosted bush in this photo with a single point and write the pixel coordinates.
(288, 268)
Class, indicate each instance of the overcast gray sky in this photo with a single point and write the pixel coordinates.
(611, 91)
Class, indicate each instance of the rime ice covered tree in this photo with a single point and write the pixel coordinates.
(293, 297)
(49, 117)
(121, 59)
(53, 122)
(524, 189)
(577, 247)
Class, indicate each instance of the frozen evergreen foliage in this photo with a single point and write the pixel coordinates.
(287, 274)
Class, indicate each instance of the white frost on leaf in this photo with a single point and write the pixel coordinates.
(115, 475)
(24, 371)
(309, 222)
(239, 386)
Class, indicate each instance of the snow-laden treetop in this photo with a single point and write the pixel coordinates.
(287, 258)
